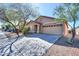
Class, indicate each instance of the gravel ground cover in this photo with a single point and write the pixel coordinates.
(62, 48)
(25, 46)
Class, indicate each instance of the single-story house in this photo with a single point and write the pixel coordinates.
(47, 25)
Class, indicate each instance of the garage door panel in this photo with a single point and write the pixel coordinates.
(53, 30)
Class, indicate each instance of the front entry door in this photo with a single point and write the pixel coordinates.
(35, 27)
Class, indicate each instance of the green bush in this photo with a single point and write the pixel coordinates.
(7, 27)
(25, 30)
(70, 31)
(69, 42)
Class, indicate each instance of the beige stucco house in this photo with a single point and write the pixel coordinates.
(47, 25)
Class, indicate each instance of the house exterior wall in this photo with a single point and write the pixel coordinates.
(63, 30)
(77, 31)
(31, 26)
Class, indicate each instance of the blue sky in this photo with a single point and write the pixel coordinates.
(47, 9)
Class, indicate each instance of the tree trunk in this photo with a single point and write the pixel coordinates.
(73, 32)
(23, 25)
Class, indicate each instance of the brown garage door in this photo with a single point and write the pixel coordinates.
(53, 29)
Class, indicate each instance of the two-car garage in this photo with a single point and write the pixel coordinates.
(53, 29)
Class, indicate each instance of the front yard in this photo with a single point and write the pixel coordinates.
(61, 48)
(30, 45)
(40, 45)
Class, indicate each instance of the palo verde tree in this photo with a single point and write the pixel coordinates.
(69, 12)
(26, 11)
(14, 14)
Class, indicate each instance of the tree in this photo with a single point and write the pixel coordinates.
(69, 12)
(14, 14)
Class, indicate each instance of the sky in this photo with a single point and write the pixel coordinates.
(47, 9)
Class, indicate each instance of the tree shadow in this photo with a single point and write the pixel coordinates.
(63, 42)
(46, 37)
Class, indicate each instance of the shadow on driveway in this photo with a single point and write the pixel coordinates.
(46, 37)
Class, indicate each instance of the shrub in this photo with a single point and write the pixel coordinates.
(25, 30)
(70, 31)
(8, 27)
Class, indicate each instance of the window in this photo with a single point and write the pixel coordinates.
(55, 25)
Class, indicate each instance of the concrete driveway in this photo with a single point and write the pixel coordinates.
(46, 37)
